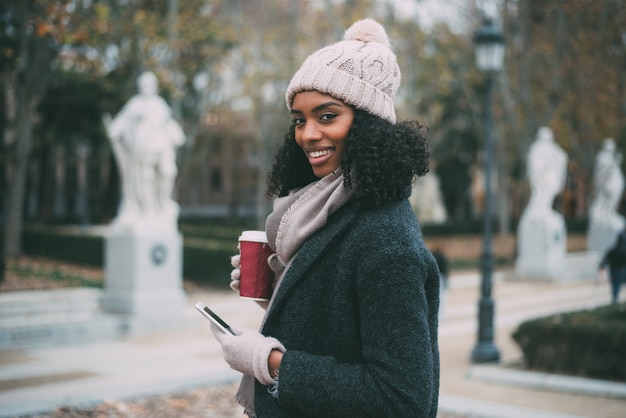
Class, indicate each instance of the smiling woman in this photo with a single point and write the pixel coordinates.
(349, 258)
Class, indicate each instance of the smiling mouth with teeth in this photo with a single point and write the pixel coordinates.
(316, 154)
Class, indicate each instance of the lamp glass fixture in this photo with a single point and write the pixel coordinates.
(489, 47)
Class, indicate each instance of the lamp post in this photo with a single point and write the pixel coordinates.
(489, 48)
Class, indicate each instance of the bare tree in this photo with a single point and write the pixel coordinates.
(24, 87)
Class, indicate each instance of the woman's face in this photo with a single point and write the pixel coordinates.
(322, 124)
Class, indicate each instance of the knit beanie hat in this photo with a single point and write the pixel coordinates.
(361, 71)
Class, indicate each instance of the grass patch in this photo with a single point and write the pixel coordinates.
(55, 275)
(464, 264)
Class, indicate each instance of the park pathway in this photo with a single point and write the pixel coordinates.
(41, 379)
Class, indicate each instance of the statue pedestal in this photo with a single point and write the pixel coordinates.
(541, 247)
(601, 235)
(143, 278)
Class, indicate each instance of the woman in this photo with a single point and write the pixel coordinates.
(615, 258)
(351, 329)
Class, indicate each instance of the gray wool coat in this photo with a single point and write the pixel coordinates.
(357, 313)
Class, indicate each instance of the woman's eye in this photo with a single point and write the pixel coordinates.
(297, 121)
(327, 117)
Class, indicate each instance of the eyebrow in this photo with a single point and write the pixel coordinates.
(318, 107)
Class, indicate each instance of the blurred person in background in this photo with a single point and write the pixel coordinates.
(615, 259)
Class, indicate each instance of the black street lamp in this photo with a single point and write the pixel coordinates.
(489, 48)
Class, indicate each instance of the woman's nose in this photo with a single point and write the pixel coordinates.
(311, 132)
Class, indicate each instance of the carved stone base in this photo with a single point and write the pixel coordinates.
(541, 247)
(143, 277)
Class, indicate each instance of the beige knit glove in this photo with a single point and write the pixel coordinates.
(235, 275)
(248, 351)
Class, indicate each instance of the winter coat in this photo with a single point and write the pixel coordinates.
(357, 313)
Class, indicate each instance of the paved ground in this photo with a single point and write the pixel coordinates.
(43, 379)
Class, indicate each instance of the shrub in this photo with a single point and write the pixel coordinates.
(73, 248)
(208, 261)
(584, 343)
(205, 261)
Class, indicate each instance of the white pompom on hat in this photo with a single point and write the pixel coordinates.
(361, 70)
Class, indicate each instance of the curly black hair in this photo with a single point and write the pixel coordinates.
(384, 159)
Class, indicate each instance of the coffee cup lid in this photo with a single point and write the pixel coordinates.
(254, 236)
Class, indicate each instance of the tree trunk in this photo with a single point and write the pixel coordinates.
(17, 189)
(28, 80)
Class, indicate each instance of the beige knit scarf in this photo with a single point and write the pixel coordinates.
(294, 219)
(297, 216)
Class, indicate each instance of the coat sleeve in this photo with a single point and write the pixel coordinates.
(399, 371)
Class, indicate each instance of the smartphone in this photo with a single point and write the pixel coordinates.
(213, 317)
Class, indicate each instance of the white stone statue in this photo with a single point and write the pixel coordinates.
(541, 235)
(547, 170)
(605, 222)
(145, 136)
(143, 252)
(608, 185)
(427, 201)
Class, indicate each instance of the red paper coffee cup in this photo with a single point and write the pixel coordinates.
(256, 276)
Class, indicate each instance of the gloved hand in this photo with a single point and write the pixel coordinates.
(248, 351)
(235, 275)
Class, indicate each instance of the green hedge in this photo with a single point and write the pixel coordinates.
(206, 252)
(208, 245)
(74, 248)
(584, 343)
(475, 227)
(208, 262)
(205, 261)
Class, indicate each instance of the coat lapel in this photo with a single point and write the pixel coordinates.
(311, 250)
